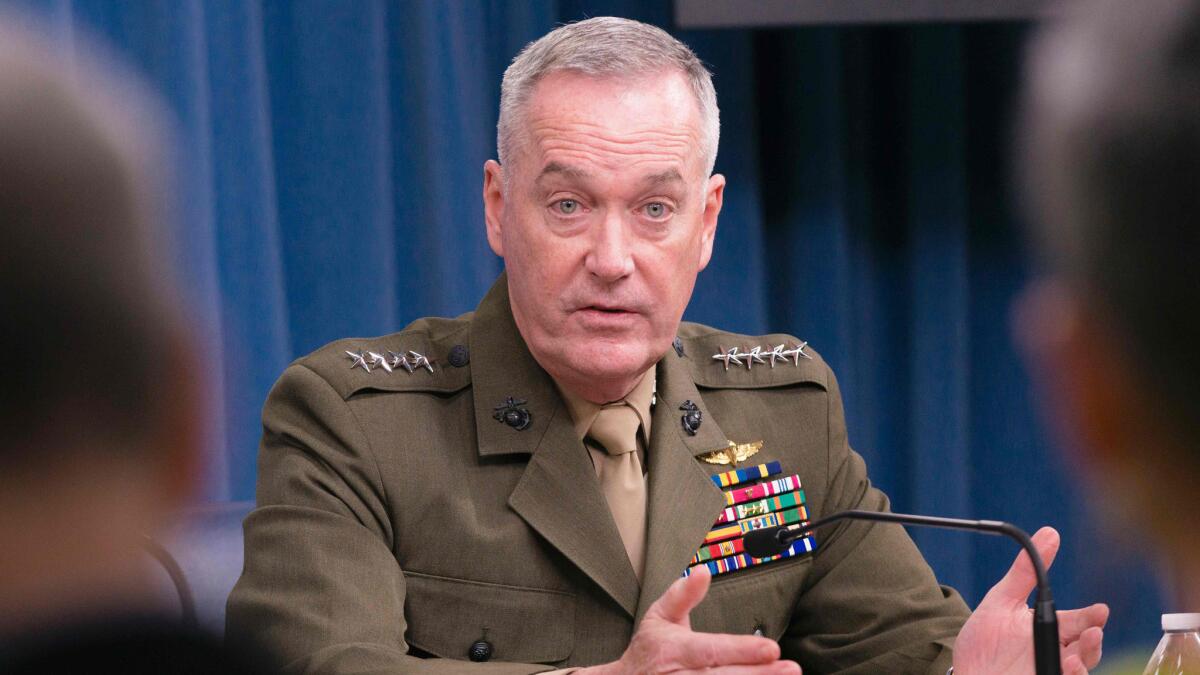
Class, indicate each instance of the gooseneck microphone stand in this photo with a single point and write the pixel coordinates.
(774, 540)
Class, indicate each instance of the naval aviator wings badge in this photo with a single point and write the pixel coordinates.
(756, 497)
(733, 453)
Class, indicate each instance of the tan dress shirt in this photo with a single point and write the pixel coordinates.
(583, 413)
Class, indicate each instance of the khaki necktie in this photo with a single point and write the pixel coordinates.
(615, 429)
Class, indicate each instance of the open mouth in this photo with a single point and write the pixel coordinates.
(605, 316)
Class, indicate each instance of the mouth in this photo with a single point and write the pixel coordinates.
(607, 310)
(605, 317)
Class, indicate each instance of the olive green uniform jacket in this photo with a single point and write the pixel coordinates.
(397, 519)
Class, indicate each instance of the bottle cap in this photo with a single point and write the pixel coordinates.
(1178, 622)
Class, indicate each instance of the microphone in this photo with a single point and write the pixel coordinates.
(771, 541)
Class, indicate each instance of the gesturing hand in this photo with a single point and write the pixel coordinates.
(998, 638)
(665, 642)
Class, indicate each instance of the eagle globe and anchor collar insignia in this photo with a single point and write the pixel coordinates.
(513, 413)
(756, 497)
(691, 418)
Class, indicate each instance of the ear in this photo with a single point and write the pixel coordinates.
(493, 204)
(714, 197)
(1092, 400)
(179, 433)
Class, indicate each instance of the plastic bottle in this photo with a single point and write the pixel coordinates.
(1178, 652)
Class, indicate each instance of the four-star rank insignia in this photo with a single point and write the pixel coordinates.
(760, 354)
(390, 363)
(755, 497)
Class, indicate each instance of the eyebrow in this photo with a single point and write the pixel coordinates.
(668, 176)
(562, 169)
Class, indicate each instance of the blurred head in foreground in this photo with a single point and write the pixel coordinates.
(98, 396)
(1111, 165)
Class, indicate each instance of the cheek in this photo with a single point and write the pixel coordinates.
(523, 241)
(539, 263)
(674, 269)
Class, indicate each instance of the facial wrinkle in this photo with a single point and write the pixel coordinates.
(612, 156)
(604, 135)
(618, 143)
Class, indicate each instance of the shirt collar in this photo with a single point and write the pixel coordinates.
(583, 412)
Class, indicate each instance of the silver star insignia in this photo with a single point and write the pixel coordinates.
(378, 361)
(777, 354)
(419, 361)
(798, 351)
(398, 361)
(752, 356)
(728, 355)
(358, 360)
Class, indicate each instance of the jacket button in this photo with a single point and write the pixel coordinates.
(480, 651)
(459, 356)
(758, 630)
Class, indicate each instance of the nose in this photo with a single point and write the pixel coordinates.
(610, 258)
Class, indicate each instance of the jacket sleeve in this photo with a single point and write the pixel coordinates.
(321, 587)
(871, 604)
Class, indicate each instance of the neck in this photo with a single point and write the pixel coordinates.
(66, 575)
(595, 390)
(73, 555)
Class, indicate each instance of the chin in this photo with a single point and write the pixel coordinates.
(605, 360)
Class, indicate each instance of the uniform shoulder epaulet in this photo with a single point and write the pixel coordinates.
(430, 355)
(724, 360)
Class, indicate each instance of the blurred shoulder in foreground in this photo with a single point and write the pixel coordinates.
(100, 399)
(1110, 163)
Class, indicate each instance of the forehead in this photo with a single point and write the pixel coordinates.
(610, 124)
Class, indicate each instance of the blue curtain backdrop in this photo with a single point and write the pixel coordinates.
(330, 187)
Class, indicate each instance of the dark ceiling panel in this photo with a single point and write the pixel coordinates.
(778, 13)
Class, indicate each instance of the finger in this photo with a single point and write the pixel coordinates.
(677, 602)
(1071, 623)
(776, 668)
(1073, 666)
(713, 650)
(1020, 580)
(1088, 647)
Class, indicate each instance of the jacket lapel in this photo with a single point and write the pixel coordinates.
(683, 501)
(558, 494)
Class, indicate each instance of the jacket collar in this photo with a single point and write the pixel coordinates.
(683, 502)
(503, 368)
(558, 494)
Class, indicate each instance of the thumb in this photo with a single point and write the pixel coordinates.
(1021, 578)
(677, 602)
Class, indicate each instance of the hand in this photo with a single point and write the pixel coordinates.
(998, 638)
(665, 643)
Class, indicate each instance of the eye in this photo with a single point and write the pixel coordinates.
(656, 210)
(567, 206)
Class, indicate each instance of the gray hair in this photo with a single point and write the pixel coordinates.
(605, 46)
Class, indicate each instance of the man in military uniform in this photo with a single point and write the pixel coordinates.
(525, 485)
